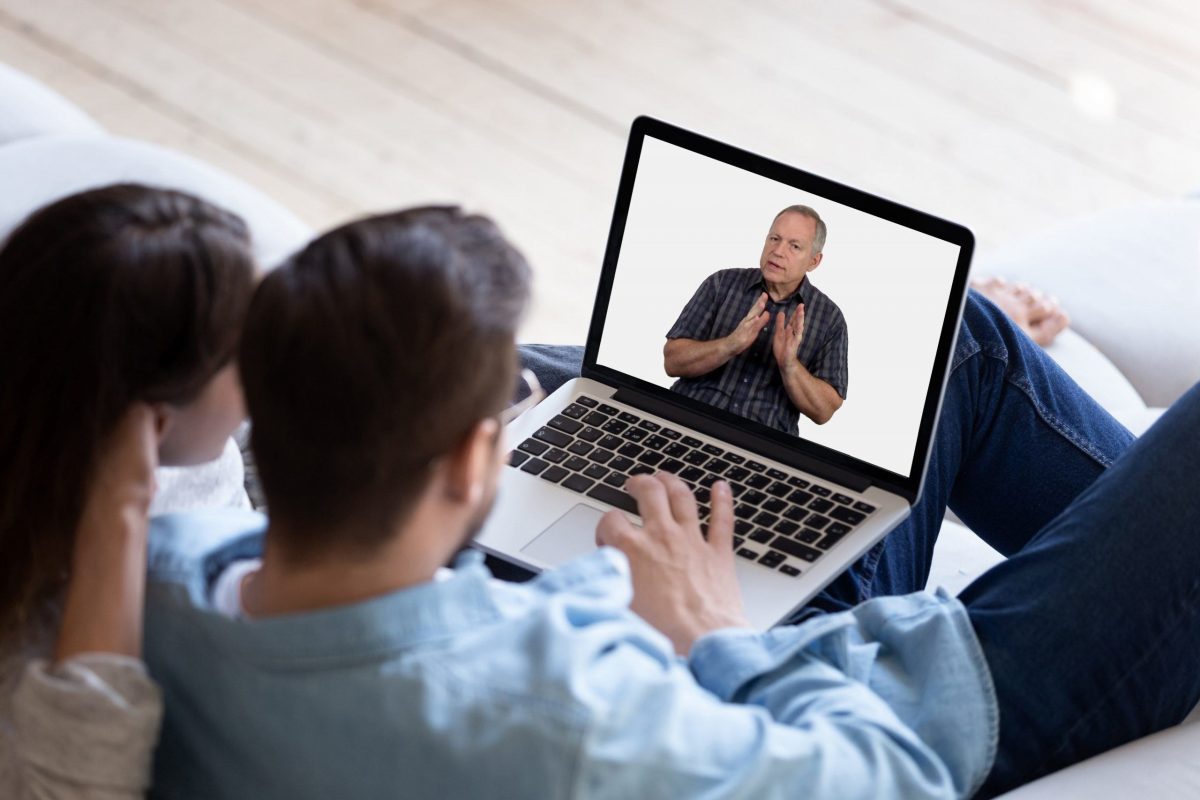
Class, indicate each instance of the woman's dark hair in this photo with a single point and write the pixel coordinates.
(368, 355)
(107, 298)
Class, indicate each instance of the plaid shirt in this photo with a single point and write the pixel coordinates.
(750, 383)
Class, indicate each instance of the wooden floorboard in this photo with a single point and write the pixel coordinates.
(1004, 116)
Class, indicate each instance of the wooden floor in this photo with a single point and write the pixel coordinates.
(1003, 116)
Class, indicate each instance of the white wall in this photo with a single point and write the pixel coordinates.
(691, 216)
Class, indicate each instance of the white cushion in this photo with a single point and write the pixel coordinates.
(39, 171)
(27, 109)
(1130, 278)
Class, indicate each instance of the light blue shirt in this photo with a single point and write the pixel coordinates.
(472, 687)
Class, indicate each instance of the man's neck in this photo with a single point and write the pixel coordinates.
(782, 291)
(284, 585)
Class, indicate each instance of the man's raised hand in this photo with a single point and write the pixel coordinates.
(748, 329)
(683, 584)
(788, 336)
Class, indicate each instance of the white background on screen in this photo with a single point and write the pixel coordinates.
(691, 216)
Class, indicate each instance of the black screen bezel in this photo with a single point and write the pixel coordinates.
(909, 486)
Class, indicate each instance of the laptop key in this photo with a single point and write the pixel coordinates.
(703, 495)
(746, 552)
(650, 458)
(635, 434)
(616, 479)
(734, 458)
(766, 519)
(794, 548)
(788, 569)
(649, 425)
(709, 479)
(600, 455)
(744, 512)
(596, 418)
(820, 491)
(843, 499)
(741, 527)
(596, 472)
(554, 455)
(865, 508)
(799, 483)
(640, 469)
(796, 514)
(816, 521)
(656, 441)
(696, 457)
(758, 481)
(761, 536)
(610, 442)
(533, 466)
(672, 465)
(754, 466)
(829, 541)
(847, 515)
(575, 463)
(820, 505)
(777, 474)
(556, 438)
(589, 434)
(676, 450)
(632, 419)
(779, 489)
(620, 463)
(574, 411)
(837, 529)
(555, 474)
(737, 473)
(771, 558)
(692, 474)
(737, 542)
(580, 448)
(565, 424)
(578, 483)
(807, 535)
(517, 458)
(752, 496)
(713, 450)
(533, 447)
(614, 497)
(607, 409)
(692, 441)
(586, 401)
(786, 527)
(613, 426)
(799, 498)
(630, 450)
(717, 465)
(670, 433)
(774, 505)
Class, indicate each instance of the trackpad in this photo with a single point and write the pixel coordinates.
(572, 535)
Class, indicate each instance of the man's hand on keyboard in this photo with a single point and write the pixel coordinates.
(683, 584)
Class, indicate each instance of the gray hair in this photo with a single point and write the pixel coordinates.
(818, 243)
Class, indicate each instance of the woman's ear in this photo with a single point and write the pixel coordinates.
(164, 422)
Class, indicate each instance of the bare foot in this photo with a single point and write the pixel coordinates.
(1039, 315)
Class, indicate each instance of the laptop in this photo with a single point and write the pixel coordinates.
(695, 238)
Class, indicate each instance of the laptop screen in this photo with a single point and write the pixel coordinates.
(813, 312)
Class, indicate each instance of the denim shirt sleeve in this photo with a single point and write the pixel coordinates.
(842, 706)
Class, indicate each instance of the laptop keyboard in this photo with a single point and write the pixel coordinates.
(781, 520)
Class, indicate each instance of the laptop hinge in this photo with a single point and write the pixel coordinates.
(749, 441)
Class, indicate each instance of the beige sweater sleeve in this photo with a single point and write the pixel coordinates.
(86, 728)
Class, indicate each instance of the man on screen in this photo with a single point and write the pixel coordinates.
(765, 343)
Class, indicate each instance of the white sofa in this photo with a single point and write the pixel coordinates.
(1131, 279)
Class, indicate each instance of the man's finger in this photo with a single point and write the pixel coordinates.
(613, 530)
(680, 498)
(720, 520)
(651, 497)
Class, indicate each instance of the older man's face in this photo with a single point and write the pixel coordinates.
(787, 255)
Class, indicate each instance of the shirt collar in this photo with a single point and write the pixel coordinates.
(756, 281)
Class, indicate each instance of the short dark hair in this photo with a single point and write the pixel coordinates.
(369, 354)
(108, 297)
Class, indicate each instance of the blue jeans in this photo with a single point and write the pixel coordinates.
(1092, 625)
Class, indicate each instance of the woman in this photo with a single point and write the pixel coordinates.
(120, 311)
